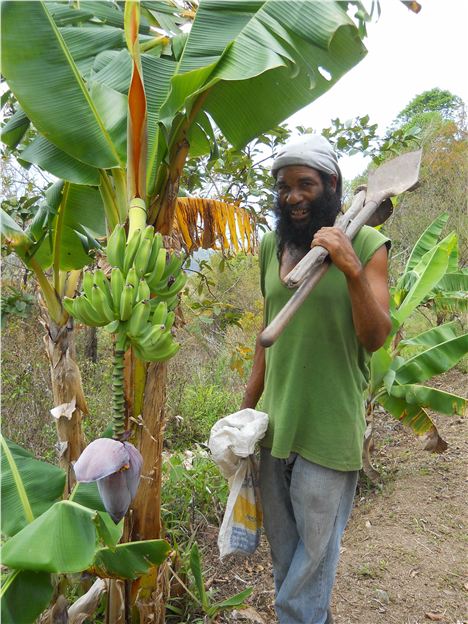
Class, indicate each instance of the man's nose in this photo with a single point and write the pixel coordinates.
(294, 196)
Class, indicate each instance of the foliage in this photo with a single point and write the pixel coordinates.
(441, 101)
(397, 378)
(194, 492)
(15, 301)
(212, 609)
(39, 527)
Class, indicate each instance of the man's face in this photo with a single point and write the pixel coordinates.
(304, 204)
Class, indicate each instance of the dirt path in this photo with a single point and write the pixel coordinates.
(404, 553)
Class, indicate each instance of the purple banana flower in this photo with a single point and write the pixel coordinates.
(116, 467)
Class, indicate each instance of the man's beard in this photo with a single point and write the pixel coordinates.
(298, 235)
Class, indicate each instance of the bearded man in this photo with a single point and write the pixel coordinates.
(313, 378)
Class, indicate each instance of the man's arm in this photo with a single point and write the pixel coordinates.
(367, 286)
(254, 388)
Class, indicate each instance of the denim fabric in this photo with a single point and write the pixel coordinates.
(306, 508)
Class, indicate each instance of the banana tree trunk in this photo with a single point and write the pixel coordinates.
(145, 389)
(69, 400)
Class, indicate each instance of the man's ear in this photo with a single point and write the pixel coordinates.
(333, 181)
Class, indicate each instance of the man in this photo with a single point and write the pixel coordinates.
(313, 378)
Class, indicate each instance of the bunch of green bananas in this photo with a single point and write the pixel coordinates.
(141, 267)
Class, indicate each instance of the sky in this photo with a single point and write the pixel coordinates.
(407, 54)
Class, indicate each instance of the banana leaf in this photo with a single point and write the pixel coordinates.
(451, 302)
(64, 539)
(29, 487)
(46, 81)
(431, 398)
(49, 157)
(434, 361)
(412, 416)
(78, 222)
(453, 282)
(130, 560)
(380, 363)
(13, 236)
(15, 128)
(434, 336)
(430, 270)
(24, 595)
(417, 419)
(426, 241)
(87, 494)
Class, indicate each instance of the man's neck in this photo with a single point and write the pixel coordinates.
(290, 257)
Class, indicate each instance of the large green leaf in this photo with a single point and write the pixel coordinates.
(380, 363)
(24, 595)
(412, 416)
(15, 128)
(81, 221)
(42, 74)
(29, 487)
(426, 241)
(431, 398)
(130, 560)
(433, 336)
(48, 156)
(429, 270)
(435, 360)
(87, 494)
(196, 568)
(277, 48)
(252, 52)
(64, 539)
(453, 282)
(13, 236)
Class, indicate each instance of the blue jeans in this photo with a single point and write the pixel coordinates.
(306, 508)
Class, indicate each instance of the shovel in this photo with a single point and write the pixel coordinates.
(392, 178)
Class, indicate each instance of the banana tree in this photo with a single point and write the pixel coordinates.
(400, 368)
(76, 72)
(55, 247)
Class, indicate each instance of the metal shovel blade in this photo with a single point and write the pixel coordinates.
(394, 177)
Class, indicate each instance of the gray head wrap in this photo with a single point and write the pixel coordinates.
(311, 150)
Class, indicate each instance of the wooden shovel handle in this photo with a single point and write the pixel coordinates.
(274, 329)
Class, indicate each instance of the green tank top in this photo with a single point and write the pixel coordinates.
(317, 371)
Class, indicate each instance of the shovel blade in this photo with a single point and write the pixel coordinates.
(395, 176)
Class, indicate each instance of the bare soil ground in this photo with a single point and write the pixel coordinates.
(404, 556)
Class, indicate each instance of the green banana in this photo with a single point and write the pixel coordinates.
(103, 284)
(142, 256)
(116, 247)
(87, 285)
(69, 305)
(151, 336)
(155, 247)
(173, 266)
(126, 302)
(87, 312)
(164, 349)
(101, 305)
(159, 314)
(117, 286)
(170, 319)
(170, 291)
(143, 290)
(130, 250)
(156, 274)
(132, 278)
(138, 319)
